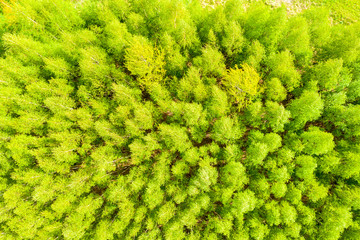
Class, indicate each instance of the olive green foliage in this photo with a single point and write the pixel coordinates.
(159, 119)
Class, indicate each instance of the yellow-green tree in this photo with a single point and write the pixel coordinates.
(242, 84)
(144, 61)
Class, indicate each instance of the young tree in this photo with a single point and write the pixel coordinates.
(192, 86)
(335, 220)
(306, 167)
(254, 114)
(344, 44)
(308, 107)
(218, 104)
(349, 165)
(205, 177)
(317, 142)
(234, 175)
(175, 61)
(327, 73)
(319, 26)
(117, 38)
(346, 119)
(233, 40)
(256, 54)
(265, 25)
(211, 62)
(256, 153)
(227, 130)
(276, 116)
(353, 93)
(282, 66)
(274, 90)
(174, 137)
(297, 40)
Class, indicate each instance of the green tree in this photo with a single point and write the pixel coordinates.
(233, 40)
(211, 62)
(336, 219)
(227, 130)
(317, 142)
(276, 116)
(307, 166)
(308, 107)
(218, 104)
(274, 90)
(256, 54)
(327, 74)
(282, 67)
(297, 40)
(192, 86)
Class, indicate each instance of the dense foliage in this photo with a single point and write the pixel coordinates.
(160, 119)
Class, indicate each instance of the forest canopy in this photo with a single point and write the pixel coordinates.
(164, 119)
